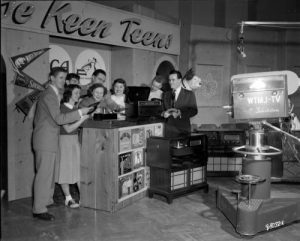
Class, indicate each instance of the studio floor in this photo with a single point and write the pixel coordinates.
(190, 218)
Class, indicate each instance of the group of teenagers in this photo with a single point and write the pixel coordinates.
(62, 108)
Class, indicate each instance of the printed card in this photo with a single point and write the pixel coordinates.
(124, 140)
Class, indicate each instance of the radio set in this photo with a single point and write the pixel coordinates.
(224, 138)
(222, 160)
(150, 108)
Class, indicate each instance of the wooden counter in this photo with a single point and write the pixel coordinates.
(113, 163)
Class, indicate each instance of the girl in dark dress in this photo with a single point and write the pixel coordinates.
(68, 169)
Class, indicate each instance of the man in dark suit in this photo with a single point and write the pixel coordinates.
(179, 106)
(47, 121)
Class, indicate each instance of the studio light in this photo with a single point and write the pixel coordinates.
(279, 25)
(241, 46)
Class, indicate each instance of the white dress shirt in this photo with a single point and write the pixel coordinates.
(69, 106)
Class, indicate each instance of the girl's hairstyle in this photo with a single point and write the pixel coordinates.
(95, 86)
(120, 81)
(159, 79)
(68, 92)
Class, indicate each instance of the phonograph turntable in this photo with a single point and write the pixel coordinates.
(259, 98)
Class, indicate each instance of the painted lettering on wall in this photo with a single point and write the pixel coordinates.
(59, 14)
(137, 35)
(20, 14)
(59, 57)
(73, 22)
(57, 63)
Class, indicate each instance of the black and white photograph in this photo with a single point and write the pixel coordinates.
(150, 120)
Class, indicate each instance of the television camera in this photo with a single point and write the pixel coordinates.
(259, 98)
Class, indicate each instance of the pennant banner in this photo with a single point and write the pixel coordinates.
(21, 61)
(27, 102)
(26, 81)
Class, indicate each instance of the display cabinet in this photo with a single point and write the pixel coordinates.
(177, 165)
(113, 163)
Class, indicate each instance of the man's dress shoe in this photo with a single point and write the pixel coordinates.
(44, 216)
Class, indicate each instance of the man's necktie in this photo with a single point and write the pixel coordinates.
(173, 98)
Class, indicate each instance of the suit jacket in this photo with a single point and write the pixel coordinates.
(47, 121)
(186, 103)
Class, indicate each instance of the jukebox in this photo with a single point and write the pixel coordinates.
(260, 99)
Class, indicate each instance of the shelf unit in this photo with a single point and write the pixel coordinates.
(113, 165)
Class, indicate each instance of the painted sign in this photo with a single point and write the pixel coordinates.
(92, 22)
(86, 63)
(58, 57)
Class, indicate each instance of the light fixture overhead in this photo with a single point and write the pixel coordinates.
(282, 25)
(240, 46)
(285, 25)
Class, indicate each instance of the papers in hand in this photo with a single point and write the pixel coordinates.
(94, 107)
(171, 111)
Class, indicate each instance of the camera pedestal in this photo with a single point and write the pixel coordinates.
(256, 210)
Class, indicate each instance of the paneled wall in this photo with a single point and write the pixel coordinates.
(292, 51)
(277, 10)
(214, 56)
(210, 56)
(292, 60)
(20, 156)
(136, 66)
(261, 48)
